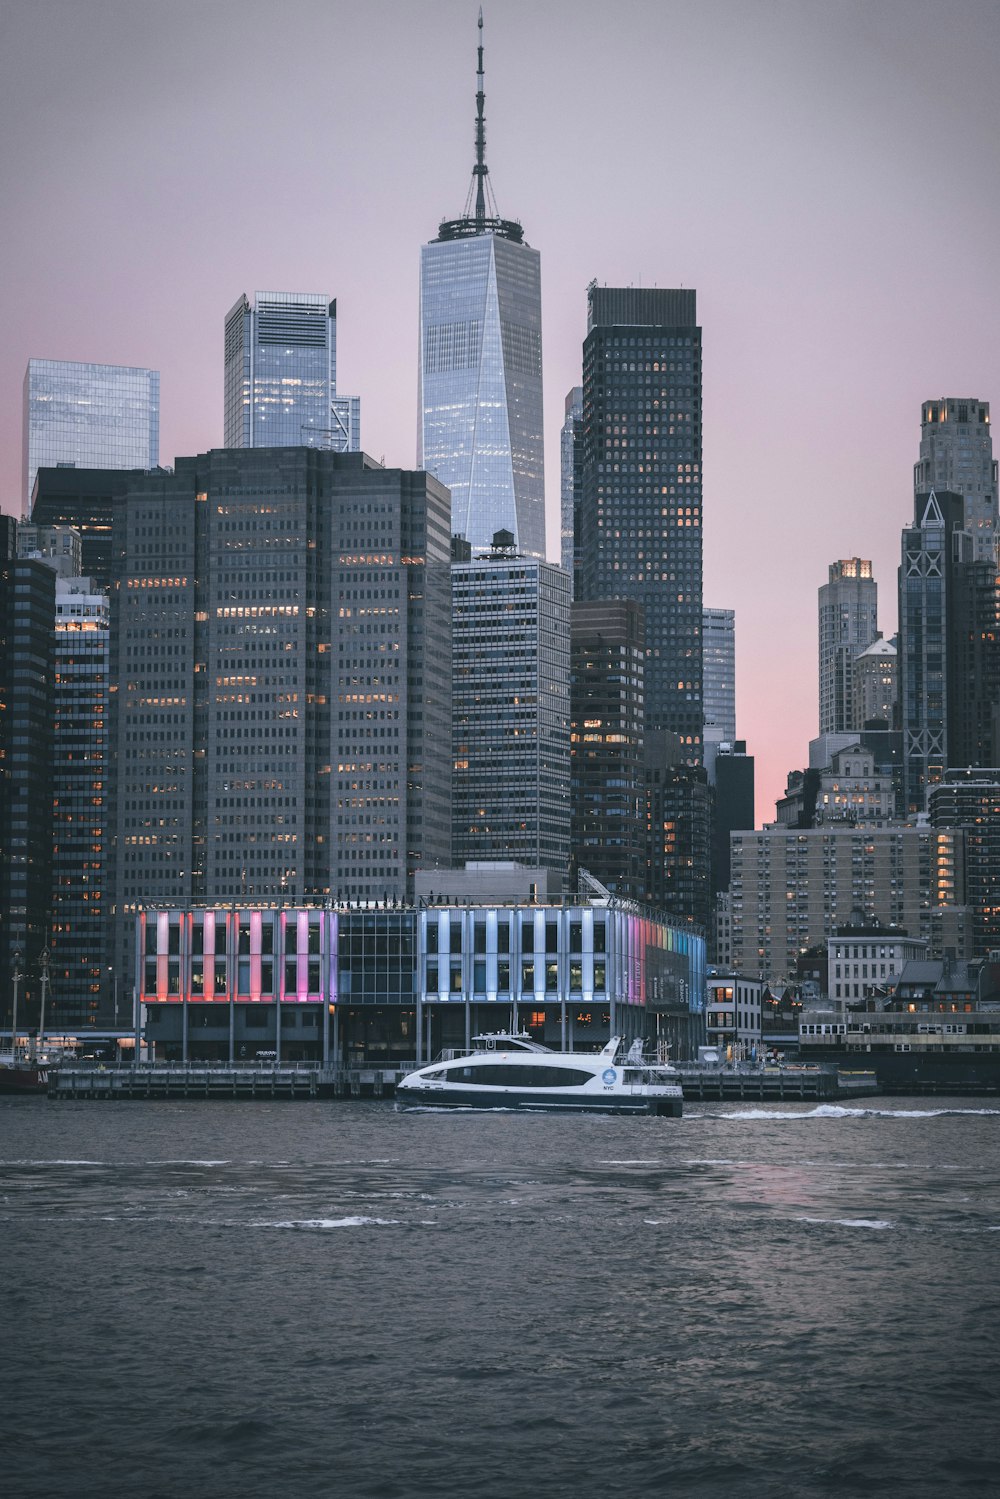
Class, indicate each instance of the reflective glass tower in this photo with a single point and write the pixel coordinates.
(480, 429)
(88, 416)
(281, 375)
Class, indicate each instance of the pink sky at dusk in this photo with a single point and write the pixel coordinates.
(825, 174)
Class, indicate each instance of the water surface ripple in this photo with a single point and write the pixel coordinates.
(212, 1299)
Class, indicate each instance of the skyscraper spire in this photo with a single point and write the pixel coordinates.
(481, 216)
(480, 169)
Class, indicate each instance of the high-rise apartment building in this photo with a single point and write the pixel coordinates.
(718, 634)
(848, 623)
(608, 744)
(480, 396)
(281, 375)
(969, 799)
(281, 681)
(641, 506)
(875, 683)
(511, 744)
(88, 416)
(789, 889)
(956, 454)
(570, 480)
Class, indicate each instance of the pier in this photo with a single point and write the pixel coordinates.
(307, 1080)
(172, 1080)
(771, 1084)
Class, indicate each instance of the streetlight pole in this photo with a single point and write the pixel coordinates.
(16, 980)
(45, 985)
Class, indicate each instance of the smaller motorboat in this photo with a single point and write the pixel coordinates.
(506, 1071)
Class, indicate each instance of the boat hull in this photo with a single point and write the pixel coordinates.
(528, 1101)
(24, 1081)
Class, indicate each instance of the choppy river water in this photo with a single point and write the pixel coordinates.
(298, 1299)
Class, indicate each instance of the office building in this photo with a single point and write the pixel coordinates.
(956, 454)
(571, 481)
(973, 666)
(641, 507)
(718, 633)
(84, 499)
(732, 805)
(88, 416)
(281, 375)
(678, 832)
(281, 665)
(27, 614)
(848, 623)
(511, 742)
(608, 745)
(949, 648)
(86, 990)
(480, 389)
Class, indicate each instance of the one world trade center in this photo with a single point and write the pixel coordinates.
(481, 366)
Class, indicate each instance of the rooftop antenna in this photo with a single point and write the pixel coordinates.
(482, 218)
(480, 169)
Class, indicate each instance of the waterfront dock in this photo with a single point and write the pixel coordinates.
(306, 1080)
(171, 1080)
(772, 1084)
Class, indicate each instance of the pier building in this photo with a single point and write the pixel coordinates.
(392, 983)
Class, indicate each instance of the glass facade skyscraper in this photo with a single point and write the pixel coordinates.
(640, 512)
(281, 375)
(88, 416)
(718, 681)
(480, 429)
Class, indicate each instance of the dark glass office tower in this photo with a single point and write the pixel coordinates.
(85, 498)
(948, 620)
(27, 613)
(480, 397)
(641, 510)
(607, 743)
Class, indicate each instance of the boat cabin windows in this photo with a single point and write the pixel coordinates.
(511, 1075)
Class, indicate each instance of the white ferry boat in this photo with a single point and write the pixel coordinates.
(505, 1071)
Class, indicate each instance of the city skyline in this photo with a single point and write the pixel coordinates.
(805, 171)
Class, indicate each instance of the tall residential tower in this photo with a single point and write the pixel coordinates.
(956, 454)
(480, 398)
(848, 623)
